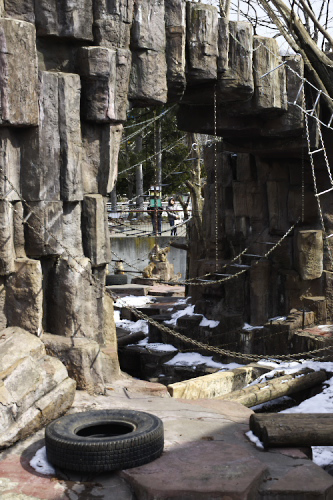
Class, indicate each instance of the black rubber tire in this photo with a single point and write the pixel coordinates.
(125, 439)
(116, 279)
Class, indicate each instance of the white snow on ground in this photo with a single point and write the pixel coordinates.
(134, 301)
(40, 463)
(194, 359)
(252, 437)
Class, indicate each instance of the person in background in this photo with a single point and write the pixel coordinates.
(155, 211)
(172, 216)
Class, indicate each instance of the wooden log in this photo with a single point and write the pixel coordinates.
(129, 338)
(293, 429)
(132, 338)
(258, 421)
(280, 386)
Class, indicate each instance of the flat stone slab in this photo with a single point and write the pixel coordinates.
(206, 456)
(130, 289)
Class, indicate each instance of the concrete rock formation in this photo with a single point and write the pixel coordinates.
(67, 75)
(34, 388)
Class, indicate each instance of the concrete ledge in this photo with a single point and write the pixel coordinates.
(216, 384)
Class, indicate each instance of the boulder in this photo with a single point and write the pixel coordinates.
(40, 175)
(175, 29)
(10, 165)
(24, 296)
(202, 42)
(309, 253)
(148, 85)
(100, 157)
(112, 22)
(72, 234)
(3, 317)
(74, 297)
(18, 82)
(96, 239)
(19, 242)
(270, 81)
(102, 74)
(148, 27)
(20, 9)
(71, 187)
(66, 19)
(43, 228)
(235, 73)
(81, 357)
(7, 251)
(34, 388)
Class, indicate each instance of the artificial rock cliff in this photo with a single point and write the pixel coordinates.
(67, 75)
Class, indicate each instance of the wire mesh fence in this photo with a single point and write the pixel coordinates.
(125, 221)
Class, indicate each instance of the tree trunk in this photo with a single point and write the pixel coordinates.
(272, 389)
(158, 143)
(293, 429)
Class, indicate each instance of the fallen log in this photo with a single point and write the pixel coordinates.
(258, 421)
(131, 338)
(293, 429)
(275, 388)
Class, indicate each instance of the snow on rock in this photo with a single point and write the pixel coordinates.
(133, 326)
(188, 311)
(248, 327)
(209, 322)
(161, 347)
(134, 301)
(194, 358)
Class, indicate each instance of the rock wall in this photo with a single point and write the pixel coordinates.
(67, 73)
(259, 199)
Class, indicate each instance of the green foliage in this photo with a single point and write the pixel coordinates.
(175, 170)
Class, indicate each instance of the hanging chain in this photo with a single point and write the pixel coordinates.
(216, 185)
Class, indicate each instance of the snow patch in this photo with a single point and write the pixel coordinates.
(134, 301)
(188, 311)
(254, 439)
(194, 358)
(209, 322)
(40, 463)
(133, 326)
(248, 327)
(161, 347)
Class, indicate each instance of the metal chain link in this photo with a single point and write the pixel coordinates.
(218, 350)
(216, 184)
(100, 286)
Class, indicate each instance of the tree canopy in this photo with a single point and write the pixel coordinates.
(142, 123)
